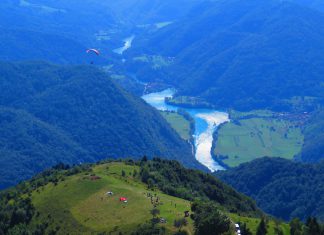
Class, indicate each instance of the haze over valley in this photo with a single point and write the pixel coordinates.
(162, 117)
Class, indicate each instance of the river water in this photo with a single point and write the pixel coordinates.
(206, 122)
(127, 44)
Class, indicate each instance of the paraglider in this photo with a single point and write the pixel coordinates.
(93, 51)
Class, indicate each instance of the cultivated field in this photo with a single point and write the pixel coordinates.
(253, 136)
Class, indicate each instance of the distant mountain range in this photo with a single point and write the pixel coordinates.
(73, 114)
(70, 19)
(19, 44)
(241, 54)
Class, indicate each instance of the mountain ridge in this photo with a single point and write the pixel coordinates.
(90, 109)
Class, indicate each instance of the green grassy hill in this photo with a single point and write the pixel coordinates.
(67, 200)
(80, 205)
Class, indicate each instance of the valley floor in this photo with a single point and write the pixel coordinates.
(257, 134)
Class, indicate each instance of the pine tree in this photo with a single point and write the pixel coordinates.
(313, 228)
(262, 228)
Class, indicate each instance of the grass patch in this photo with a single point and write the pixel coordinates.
(79, 205)
(256, 135)
(253, 223)
(155, 61)
(179, 123)
(235, 115)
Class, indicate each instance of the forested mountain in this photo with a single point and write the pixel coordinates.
(70, 19)
(61, 31)
(19, 44)
(151, 11)
(29, 145)
(281, 187)
(84, 22)
(34, 30)
(313, 149)
(75, 114)
(242, 54)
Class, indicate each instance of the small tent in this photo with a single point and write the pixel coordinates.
(123, 199)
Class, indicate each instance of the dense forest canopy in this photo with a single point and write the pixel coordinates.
(313, 149)
(75, 114)
(281, 187)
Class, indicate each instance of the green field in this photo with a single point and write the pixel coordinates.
(80, 205)
(235, 115)
(155, 61)
(252, 224)
(179, 123)
(244, 140)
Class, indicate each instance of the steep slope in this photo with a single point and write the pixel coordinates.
(280, 187)
(17, 44)
(151, 11)
(313, 149)
(243, 54)
(84, 21)
(76, 200)
(91, 110)
(70, 19)
(57, 31)
(28, 145)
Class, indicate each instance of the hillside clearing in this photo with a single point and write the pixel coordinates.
(81, 205)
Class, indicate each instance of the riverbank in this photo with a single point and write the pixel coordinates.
(204, 142)
(206, 122)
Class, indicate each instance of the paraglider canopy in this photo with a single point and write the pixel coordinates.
(93, 51)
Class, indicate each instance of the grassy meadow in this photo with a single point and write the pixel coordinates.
(81, 205)
(179, 123)
(252, 224)
(78, 203)
(257, 135)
